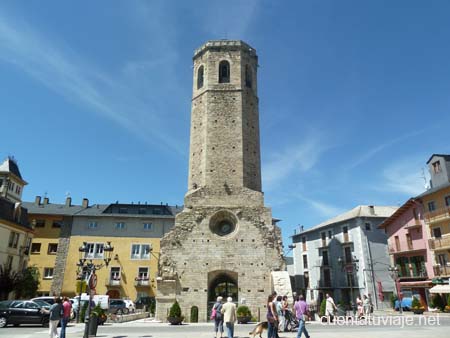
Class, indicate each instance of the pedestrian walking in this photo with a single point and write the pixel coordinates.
(67, 308)
(280, 313)
(217, 316)
(330, 308)
(366, 306)
(229, 316)
(284, 309)
(359, 304)
(271, 318)
(275, 302)
(56, 311)
(301, 312)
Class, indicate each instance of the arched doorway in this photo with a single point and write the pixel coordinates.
(113, 294)
(222, 283)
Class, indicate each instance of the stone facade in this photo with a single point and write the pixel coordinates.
(224, 241)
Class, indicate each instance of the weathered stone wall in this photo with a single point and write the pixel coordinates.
(224, 185)
(61, 256)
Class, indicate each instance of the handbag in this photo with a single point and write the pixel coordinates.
(213, 313)
(270, 318)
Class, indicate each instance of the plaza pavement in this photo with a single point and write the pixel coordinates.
(146, 328)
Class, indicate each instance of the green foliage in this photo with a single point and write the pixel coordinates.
(438, 302)
(152, 307)
(28, 283)
(97, 310)
(243, 311)
(393, 299)
(448, 300)
(8, 281)
(415, 303)
(194, 314)
(323, 307)
(175, 310)
(83, 311)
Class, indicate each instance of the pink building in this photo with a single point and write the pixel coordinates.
(409, 251)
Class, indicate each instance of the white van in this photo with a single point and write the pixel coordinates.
(103, 300)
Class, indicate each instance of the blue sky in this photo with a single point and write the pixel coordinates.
(354, 97)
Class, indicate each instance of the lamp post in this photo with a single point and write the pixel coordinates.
(394, 272)
(87, 268)
(349, 268)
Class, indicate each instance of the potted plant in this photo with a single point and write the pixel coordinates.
(175, 317)
(322, 310)
(417, 308)
(244, 314)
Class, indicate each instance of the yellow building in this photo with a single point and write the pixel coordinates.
(436, 202)
(134, 231)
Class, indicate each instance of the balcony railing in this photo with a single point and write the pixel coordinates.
(438, 214)
(412, 271)
(141, 281)
(439, 243)
(112, 282)
(441, 270)
(325, 283)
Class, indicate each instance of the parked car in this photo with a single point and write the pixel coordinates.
(130, 305)
(118, 306)
(18, 312)
(51, 301)
(145, 303)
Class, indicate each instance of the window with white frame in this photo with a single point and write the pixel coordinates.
(94, 250)
(13, 239)
(140, 251)
(143, 273)
(120, 225)
(48, 273)
(148, 226)
(115, 273)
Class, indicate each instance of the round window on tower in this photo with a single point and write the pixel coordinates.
(223, 223)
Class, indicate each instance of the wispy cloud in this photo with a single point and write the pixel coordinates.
(405, 177)
(322, 208)
(375, 150)
(294, 159)
(61, 69)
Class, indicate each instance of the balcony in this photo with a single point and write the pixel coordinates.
(415, 224)
(325, 284)
(141, 281)
(113, 282)
(441, 270)
(439, 243)
(403, 248)
(412, 271)
(438, 215)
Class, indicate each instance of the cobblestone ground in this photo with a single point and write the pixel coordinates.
(406, 326)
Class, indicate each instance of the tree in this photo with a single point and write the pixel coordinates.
(28, 283)
(8, 281)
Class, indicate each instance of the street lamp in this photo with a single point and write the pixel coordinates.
(349, 267)
(394, 272)
(87, 267)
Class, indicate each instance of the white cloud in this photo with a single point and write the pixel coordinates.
(322, 208)
(60, 69)
(405, 177)
(375, 150)
(294, 159)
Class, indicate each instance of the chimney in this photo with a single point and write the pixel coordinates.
(37, 200)
(46, 200)
(68, 201)
(85, 203)
(372, 209)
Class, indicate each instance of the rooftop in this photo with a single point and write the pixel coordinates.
(10, 166)
(224, 44)
(445, 156)
(14, 212)
(372, 211)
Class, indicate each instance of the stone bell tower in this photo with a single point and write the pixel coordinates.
(224, 242)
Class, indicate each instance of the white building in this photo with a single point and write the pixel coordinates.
(346, 256)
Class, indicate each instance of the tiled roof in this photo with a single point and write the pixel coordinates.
(359, 211)
(434, 189)
(52, 209)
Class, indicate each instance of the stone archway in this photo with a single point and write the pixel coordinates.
(222, 283)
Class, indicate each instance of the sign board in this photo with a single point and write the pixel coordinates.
(93, 281)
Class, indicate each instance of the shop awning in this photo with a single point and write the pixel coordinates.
(440, 289)
(423, 284)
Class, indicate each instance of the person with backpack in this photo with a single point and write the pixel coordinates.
(217, 316)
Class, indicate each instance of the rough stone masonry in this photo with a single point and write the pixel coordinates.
(224, 242)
